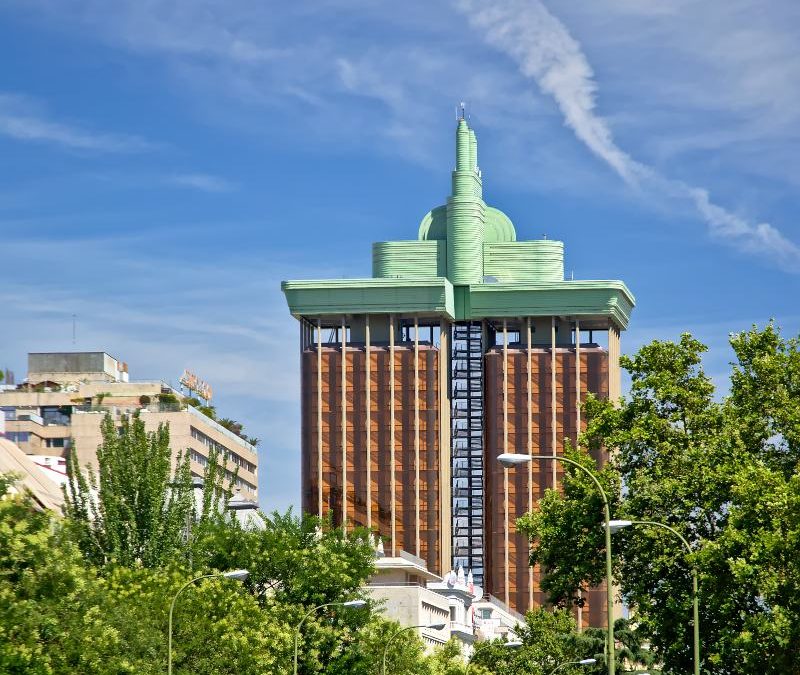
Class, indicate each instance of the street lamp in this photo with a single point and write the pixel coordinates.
(620, 524)
(582, 662)
(350, 603)
(433, 626)
(509, 460)
(235, 575)
(511, 644)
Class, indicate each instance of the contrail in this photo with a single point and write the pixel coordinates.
(545, 51)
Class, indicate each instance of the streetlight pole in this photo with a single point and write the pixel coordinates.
(433, 626)
(511, 459)
(349, 603)
(582, 662)
(619, 524)
(513, 644)
(236, 575)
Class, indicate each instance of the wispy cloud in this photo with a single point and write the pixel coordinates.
(21, 119)
(546, 52)
(243, 341)
(200, 181)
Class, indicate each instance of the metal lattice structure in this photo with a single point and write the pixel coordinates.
(467, 448)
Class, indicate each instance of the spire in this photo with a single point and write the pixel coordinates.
(473, 151)
(463, 146)
(466, 212)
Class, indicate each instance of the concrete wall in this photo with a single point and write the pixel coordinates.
(414, 606)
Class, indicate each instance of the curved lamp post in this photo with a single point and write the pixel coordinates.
(236, 575)
(511, 644)
(433, 626)
(582, 662)
(620, 524)
(510, 459)
(349, 603)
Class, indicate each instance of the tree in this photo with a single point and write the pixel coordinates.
(448, 660)
(59, 616)
(134, 510)
(721, 472)
(297, 564)
(565, 527)
(548, 640)
(631, 648)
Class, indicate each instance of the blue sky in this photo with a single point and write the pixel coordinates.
(166, 163)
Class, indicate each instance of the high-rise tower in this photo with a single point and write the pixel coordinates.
(464, 344)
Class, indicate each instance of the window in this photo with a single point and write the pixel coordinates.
(229, 455)
(19, 436)
(56, 415)
(202, 460)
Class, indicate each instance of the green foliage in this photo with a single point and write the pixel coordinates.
(238, 428)
(724, 473)
(133, 511)
(208, 411)
(169, 401)
(568, 526)
(231, 425)
(6, 481)
(448, 660)
(297, 564)
(58, 616)
(144, 399)
(548, 640)
(631, 651)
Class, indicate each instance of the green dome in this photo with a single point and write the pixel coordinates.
(466, 223)
(498, 228)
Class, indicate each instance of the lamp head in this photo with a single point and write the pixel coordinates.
(236, 575)
(587, 662)
(510, 459)
(513, 644)
(437, 626)
(354, 604)
(617, 525)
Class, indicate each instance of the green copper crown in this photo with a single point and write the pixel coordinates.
(466, 240)
(465, 264)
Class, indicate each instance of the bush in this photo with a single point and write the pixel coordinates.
(169, 401)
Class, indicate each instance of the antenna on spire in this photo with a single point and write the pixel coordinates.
(462, 109)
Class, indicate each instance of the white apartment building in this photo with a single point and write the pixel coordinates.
(413, 596)
(59, 408)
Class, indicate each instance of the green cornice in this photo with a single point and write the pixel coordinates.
(590, 299)
(598, 301)
(465, 265)
(432, 296)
